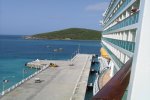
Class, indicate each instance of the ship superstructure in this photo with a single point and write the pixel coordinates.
(125, 25)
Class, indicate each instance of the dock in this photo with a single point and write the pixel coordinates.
(66, 82)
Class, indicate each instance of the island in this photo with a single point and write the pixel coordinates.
(69, 34)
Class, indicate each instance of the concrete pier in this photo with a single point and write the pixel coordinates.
(38, 63)
(66, 82)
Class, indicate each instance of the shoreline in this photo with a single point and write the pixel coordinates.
(32, 38)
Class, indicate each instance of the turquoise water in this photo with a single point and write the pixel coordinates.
(16, 51)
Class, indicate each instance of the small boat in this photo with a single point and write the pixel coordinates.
(55, 50)
(58, 50)
(49, 46)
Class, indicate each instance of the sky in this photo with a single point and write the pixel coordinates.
(25, 17)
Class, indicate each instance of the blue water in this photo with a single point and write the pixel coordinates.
(16, 51)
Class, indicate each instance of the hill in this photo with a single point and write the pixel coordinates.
(71, 33)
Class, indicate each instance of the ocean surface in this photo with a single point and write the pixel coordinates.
(16, 51)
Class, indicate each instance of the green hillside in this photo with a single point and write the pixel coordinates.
(71, 33)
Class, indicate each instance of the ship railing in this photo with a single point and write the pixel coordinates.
(97, 87)
(104, 64)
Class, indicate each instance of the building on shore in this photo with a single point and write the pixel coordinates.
(126, 36)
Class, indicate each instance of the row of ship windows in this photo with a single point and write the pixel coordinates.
(127, 35)
(133, 19)
(119, 57)
(121, 5)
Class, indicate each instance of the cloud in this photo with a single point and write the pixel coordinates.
(97, 7)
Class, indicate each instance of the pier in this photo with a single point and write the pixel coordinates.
(68, 81)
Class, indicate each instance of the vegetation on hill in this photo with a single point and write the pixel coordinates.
(71, 33)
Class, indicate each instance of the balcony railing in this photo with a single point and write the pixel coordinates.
(126, 22)
(127, 45)
(120, 9)
(117, 61)
(111, 9)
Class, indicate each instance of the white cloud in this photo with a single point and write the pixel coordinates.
(97, 7)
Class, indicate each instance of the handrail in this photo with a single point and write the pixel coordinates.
(120, 10)
(125, 22)
(127, 45)
(116, 86)
(111, 10)
(102, 72)
(96, 83)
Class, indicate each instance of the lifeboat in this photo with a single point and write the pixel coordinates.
(104, 53)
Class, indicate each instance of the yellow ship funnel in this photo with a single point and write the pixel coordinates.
(104, 53)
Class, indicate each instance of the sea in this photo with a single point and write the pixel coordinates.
(15, 52)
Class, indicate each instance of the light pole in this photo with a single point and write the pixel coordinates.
(5, 81)
(72, 55)
(78, 49)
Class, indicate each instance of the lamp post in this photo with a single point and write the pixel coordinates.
(6, 81)
(78, 49)
(72, 55)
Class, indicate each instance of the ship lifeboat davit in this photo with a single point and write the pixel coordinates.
(104, 53)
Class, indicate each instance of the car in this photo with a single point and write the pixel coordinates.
(37, 80)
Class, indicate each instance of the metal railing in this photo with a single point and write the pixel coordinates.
(126, 22)
(104, 67)
(116, 85)
(22, 81)
(120, 9)
(97, 87)
(111, 9)
(127, 45)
